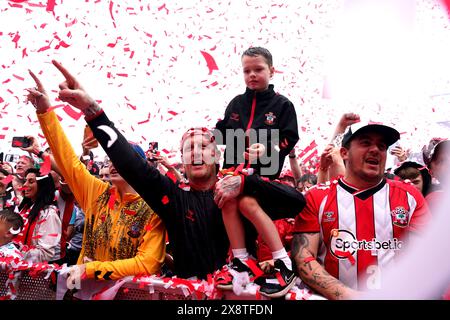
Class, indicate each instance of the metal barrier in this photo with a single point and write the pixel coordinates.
(37, 287)
(28, 287)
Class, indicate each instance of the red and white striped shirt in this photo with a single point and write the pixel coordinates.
(361, 231)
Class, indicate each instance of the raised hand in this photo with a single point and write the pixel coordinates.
(37, 96)
(348, 119)
(162, 160)
(89, 143)
(400, 153)
(255, 151)
(73, 93)
(34, 146)
(326, 158)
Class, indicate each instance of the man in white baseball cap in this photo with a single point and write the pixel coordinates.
(353, 228)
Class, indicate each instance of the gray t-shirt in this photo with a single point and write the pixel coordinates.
(77, 239)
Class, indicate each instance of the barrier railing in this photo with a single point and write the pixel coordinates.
(40, 282)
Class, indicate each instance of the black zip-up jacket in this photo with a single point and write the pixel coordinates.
(193, 220)
(260, 110)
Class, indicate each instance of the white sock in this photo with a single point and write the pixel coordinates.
(283, 256)
(241, 253)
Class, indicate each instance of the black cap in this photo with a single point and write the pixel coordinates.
(390, 134)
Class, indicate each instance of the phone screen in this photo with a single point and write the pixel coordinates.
(18, 142)
(88, 134)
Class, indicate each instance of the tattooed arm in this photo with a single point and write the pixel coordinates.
(304, 252)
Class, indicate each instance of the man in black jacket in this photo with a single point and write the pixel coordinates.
(190, 213)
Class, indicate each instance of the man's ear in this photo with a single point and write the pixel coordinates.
(344, 153)
(217, 156)
(272, 71)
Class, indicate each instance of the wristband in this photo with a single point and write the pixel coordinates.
(309, 259)
(40, 153)
(92, 111)
(292, 157)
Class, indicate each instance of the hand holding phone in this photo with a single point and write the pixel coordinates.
(20, 142)
(88, 139)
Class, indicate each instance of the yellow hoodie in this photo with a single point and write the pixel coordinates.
(121, 237)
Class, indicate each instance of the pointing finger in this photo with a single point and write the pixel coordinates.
(36, 80)
(69, 77)
(63, 85)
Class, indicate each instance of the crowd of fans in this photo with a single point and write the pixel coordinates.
(329, 223)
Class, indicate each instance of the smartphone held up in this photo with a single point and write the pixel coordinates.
(20, 142)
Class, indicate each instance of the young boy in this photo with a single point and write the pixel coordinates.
(270, 125)
(262, 114)
(11, 224)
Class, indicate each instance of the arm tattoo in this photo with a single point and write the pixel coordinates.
(300, 242)
(311, 272)
(91, 110)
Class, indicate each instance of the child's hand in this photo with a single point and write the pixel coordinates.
(255, 151)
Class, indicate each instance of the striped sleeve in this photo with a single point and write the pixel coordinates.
(308, 219)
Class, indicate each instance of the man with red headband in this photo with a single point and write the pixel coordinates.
(190, 213)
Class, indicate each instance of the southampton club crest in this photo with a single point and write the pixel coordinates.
(270, 118)
(400, 217)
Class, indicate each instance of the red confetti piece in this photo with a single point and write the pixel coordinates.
(112, 45)
(145, 121)
(148, 227)
(50, 5)
(172, 112)
(163, 7)
(165, 200)
(16, 39)
(71, 112)
(71, 23)
(130, 212)
(44, 48)
(210, 62)
(18, 77)
(46, 166)
(112, 199)
(63, 44)
(15, 5)
(53, 234)
(111, 4)
(7, 179)
(171, 176)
